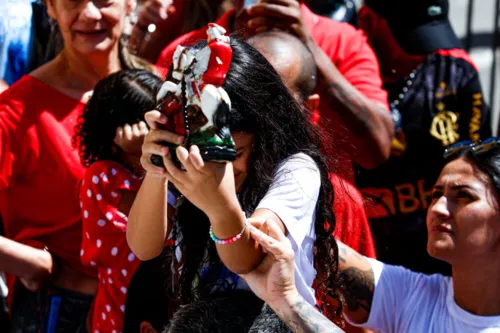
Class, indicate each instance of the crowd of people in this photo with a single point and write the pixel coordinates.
(343, 178)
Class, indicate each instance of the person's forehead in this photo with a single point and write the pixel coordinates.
(462, 172)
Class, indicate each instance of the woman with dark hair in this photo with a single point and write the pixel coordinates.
(464, 231)
(40, 171)
(278, 173)
(109, 136)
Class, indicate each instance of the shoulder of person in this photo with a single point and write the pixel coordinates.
(298, 162)
(298, 172)
(412, 283)
(328, 33)
(107, 172)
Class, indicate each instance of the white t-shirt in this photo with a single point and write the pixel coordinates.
(293, 196)
(405, 301)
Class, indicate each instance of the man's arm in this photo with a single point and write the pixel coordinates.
(368, 122)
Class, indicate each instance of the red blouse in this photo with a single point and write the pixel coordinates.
(40, 171)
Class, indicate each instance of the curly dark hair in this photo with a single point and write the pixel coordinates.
(119, 99)
(262, 105)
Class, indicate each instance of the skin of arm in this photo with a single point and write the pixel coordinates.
(241, 257)
(359, 283)
(369, 123)
(147, 224)
(24, 261)
(211, 187)
(274, 281)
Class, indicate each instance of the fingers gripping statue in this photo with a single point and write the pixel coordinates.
(194, 101)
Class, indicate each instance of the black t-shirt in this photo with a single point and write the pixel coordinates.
(439, 104)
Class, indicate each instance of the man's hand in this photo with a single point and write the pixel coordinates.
(279, 14)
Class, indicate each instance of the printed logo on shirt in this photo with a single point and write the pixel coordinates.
(444, 127)
(475, 122)
(405, 198)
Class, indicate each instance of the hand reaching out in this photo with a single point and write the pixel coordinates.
(274, 279)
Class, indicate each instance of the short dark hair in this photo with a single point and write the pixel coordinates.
(119, 99)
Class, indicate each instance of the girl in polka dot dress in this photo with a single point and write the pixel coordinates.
(109, 137)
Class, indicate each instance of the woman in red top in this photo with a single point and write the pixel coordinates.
(39, 170)
(111, 183)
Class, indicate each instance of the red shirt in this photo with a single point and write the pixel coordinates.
(349, 52)
(352, 227)
(39, 169)
(104, 243)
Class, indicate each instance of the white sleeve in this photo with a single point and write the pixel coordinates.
(293, 195)
(394, 286)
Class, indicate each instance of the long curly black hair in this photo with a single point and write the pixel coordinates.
(262, 105)
(119, 99)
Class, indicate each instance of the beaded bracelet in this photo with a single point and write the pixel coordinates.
(228, 240)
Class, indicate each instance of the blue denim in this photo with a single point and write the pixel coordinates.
(49, 311)
(15, 39)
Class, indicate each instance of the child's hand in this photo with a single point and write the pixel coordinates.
(130, 138)
(154, 142)
(208, 185)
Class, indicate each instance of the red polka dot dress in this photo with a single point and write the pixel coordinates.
(104, 243)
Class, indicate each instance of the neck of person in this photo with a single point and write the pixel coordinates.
(84, 71)
(476, 285)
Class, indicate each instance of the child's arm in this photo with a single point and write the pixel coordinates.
(148, 224)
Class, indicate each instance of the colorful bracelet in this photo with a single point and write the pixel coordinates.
(229, 240)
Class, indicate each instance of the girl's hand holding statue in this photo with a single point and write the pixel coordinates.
(208, 185)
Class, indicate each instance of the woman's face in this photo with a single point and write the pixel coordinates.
(463, 220)
(244, 148)
(90, 26)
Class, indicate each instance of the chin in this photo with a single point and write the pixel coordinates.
(93, 45)
(440, 249)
